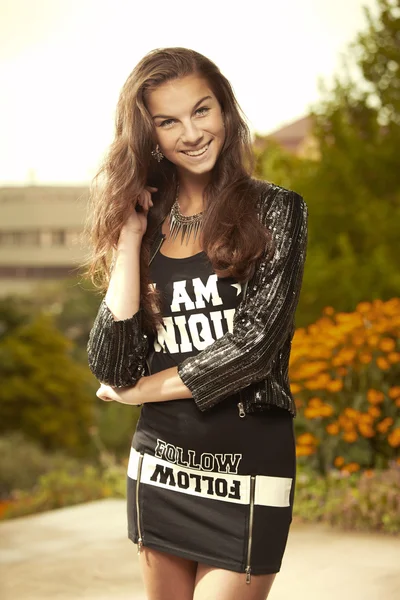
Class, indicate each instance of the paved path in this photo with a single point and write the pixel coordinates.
(82, 552)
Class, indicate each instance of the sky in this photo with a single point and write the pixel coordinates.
(64, 62)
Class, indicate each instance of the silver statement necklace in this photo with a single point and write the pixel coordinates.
(180, 223)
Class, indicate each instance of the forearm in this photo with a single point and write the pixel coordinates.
(163, 386)
(123, 293)
(159, 387)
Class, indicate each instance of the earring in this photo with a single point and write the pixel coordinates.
(158, 155)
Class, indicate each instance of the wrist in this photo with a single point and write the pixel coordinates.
(130, 239)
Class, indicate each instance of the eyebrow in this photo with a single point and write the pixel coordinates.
(194, 107)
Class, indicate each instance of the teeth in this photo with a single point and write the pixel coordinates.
(198, 152)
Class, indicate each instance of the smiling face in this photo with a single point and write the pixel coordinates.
(188, 121)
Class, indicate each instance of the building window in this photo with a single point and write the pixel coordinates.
(58, 237)
(20, 238)
(38, 272)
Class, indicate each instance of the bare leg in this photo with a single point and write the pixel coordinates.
(167, 577)
(219, 584)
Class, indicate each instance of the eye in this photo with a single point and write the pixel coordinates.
(203, 108)
(166, 122)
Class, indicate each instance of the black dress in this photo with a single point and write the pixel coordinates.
(208, 486)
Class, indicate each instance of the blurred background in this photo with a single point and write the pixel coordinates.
(319, 82)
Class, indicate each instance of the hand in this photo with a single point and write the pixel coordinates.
(127, 395)
(136, 222)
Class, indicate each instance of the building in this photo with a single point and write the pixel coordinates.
(295, 137)
(40, 235)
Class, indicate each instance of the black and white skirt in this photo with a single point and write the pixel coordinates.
(213, 487)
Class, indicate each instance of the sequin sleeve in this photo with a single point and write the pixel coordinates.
(264, 320)
(117, 350)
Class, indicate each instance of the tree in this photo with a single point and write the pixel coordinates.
(45, 393)
(353, 191)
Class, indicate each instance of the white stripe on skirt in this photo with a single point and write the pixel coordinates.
(269, 491)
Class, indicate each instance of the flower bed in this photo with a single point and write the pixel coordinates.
(345, 373)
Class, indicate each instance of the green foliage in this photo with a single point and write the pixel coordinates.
(115, 425)
(69, 484)
(58, 489)
(23, 461)
(353, 191)
(45, 392)
(366, 502)
(73, 304)
(49, 392)
(372, 504)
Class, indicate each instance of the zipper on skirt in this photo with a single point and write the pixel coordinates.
(250, 532)
(140, 535)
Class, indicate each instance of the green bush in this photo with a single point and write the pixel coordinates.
(371, 503)
(365, 502)
(23, 461)
(60, 488)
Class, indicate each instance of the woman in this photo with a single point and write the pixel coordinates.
(196, 326)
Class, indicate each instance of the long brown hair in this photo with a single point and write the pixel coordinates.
(232, 235)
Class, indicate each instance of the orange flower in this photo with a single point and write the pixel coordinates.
(339, 461)
(394, 438)
(368, 418)
(351, 413)
(351, 467)
(304, 450)
(391, 307)
(393, 357)
(328, 310)
(332, 428)
(387, 344)
(358, 340)
(347, 424)
(366, 430)
(363, 307)
(375, 396)
(319, 382)
(373, 340)
(306, 438)
(335, 385)
(394, 392)
(315, 402)
(326, 410)
(311, 413)
(369, 472)
(398, 402)
(350, 436)
(295, 388)
(365, 357)
(374, 411)
(385, 425)
(382, 363)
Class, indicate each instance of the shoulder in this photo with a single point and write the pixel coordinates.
(273, 200)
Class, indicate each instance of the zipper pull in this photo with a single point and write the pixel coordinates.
(248, 574)
(139, 545)
(241, 410)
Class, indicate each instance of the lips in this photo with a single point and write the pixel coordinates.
(198, 152)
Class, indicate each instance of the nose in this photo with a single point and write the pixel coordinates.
(191, 135)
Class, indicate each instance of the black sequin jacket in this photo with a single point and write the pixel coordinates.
(253, 360)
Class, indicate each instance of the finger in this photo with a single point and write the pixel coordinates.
(149, 200)
(151, 189)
